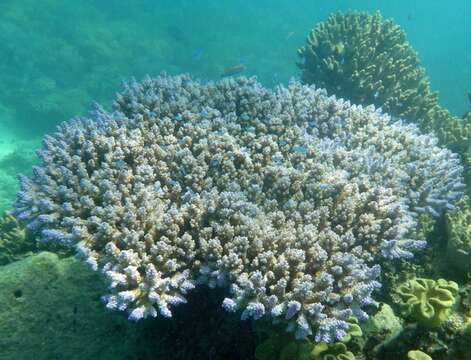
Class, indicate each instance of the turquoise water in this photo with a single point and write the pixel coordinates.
(59, 57)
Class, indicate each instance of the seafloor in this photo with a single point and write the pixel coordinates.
(58, 58)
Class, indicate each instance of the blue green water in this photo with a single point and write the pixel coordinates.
(58, 57)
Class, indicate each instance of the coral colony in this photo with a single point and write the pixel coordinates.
(368, 60)
(289, 198)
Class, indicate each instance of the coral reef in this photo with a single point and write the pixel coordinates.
(51, 309)
(384, 323)
(458, 222)
(428, 301)
(275, 348)
(462, 346)
(367, 59)
(290, 198)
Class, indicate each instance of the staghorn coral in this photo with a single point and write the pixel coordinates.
(290, 198)
(428, 301)
(368, 60)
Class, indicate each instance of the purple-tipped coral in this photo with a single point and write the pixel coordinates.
(289, 198)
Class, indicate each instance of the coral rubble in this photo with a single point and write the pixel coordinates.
(290, 198)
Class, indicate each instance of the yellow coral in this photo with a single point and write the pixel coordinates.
(428, 301)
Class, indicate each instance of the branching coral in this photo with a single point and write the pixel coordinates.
(428, 301)
(368, 60)
(290, 198)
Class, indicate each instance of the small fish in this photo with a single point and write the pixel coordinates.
(291, 33)
(232, 70)
(410, 17)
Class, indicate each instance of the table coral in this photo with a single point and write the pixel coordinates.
(428, 301)
(368, 60)
(290, 198)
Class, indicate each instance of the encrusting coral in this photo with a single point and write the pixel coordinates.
(368, 60)
(428, 301)
(290, 198)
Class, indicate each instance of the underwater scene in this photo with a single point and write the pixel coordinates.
(255, 180)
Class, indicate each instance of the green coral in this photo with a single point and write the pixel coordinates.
(458, 225)
(368, 60)
(417, 355)
(15, 243)
(278, 347)
(428, 301)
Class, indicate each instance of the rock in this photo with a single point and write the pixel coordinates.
(50, 308)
